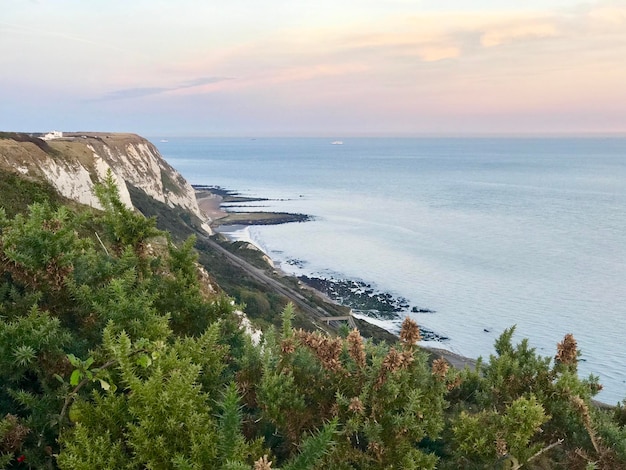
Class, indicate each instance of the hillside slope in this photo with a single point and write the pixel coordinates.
(74, 163)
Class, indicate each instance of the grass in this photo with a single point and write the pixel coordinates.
(180, 223)
(21, 137)
(18, 193)
(168, 184)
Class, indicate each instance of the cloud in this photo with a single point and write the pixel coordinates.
(513, 32)
(417, 39)
(415, 66)
(201, 81)
(435, 37)
(608, 14)
(398, 49)
(434, 53)
(130, 93)
(312, 72)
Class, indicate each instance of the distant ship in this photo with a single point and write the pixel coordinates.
(337, 142)
(164, 140)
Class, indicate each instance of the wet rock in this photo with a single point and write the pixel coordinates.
(422, 310)
(363, 299)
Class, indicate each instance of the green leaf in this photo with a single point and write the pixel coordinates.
(24, 355)
(73, 360)
(105, 385)
(313, 448)
(75, 377)
(144, 361)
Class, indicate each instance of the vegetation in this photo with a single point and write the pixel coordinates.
(18, 192)
(21, 137)
(115, 352)
(261, 304)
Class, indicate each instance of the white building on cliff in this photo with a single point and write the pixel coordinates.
(52, 135)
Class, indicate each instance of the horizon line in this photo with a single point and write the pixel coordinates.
(361, 135)
(346, 135)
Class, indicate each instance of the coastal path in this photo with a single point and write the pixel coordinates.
(261, 276)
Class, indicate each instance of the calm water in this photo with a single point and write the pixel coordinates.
(487, 232)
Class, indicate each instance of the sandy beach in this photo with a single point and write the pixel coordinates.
(209, 204)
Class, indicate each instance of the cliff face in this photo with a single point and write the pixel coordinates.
(74, 163)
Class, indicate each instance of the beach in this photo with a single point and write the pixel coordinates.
(214, 202)
(210, 205)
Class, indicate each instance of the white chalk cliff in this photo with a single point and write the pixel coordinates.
(74, 163)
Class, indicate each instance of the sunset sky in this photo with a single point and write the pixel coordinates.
(324, 67)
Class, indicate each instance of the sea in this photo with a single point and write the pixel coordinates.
(481, 234)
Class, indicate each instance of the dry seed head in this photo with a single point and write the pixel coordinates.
(410, 332)
(263, 464)
(596, 388)
(393, 361)
(376, 449)
(53, 225)
(455, 383)
(356, 348)
(287, 346)
(329, 352)
(356, 406)
(407, 358)
(326, 349)
(501, 447)
(14, 436)
(440, 368)
(582, 408)
(567, 352)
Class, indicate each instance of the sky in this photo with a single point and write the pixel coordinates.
(323, 67)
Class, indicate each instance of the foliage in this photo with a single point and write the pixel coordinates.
(39, 249)
(551, 404)
(18, 193)
(116, 351)
(384, 400)
(489, 435)
(60, 288)
(124, 227)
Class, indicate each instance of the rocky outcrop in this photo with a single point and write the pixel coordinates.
(75, 162)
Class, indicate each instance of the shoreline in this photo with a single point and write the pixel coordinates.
(365, 301)
(211, 204)
(211, 200)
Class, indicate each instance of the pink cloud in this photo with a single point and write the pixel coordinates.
(508, 33)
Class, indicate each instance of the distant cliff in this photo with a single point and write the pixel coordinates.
(75, 162)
